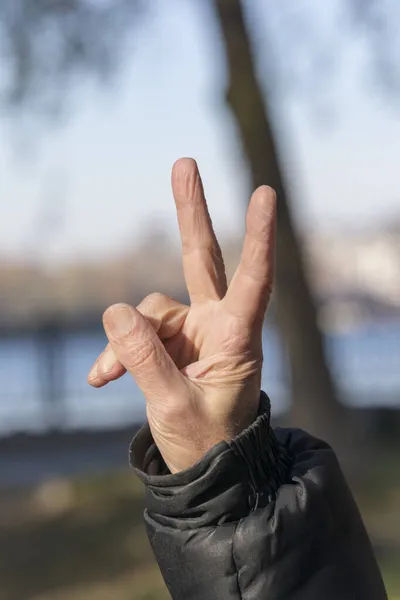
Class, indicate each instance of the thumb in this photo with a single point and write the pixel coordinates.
(140, 351)
(164, 314)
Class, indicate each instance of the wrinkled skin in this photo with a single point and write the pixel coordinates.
(198, 366)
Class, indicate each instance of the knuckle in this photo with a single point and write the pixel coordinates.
(257, 272)
(155, 299)
(141, 354)
(153, 307)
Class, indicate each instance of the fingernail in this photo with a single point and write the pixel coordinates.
(93, 373)
(120, 321)
(106, 363)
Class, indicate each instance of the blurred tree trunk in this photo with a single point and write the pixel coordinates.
(315, 404)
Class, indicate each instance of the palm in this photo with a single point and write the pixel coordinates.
(208, 332)
(192, 342)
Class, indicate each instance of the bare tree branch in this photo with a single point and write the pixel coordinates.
(48, 45)
(378, 22)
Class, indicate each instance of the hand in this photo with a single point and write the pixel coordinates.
(199, 367)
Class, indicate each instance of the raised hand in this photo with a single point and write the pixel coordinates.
(199, 367)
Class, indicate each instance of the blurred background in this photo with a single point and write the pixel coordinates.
(98, 98)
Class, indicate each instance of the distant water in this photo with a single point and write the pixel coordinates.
(366, 363)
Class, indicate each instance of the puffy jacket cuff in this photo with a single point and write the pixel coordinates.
(230, 481)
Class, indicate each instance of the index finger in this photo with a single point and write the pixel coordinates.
(250, 289)
(203, 265)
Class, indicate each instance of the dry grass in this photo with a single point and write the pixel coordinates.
(84, 540)
(145, 585)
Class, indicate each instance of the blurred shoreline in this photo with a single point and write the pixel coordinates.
(29, 459)
(355, 278)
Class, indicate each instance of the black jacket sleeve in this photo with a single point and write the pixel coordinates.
(268, 516)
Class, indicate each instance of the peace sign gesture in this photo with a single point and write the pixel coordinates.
(198, 366)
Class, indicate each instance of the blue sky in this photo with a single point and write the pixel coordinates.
(113, 156)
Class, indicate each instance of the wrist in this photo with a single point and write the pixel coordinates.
(244, 471)
(146, 456)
